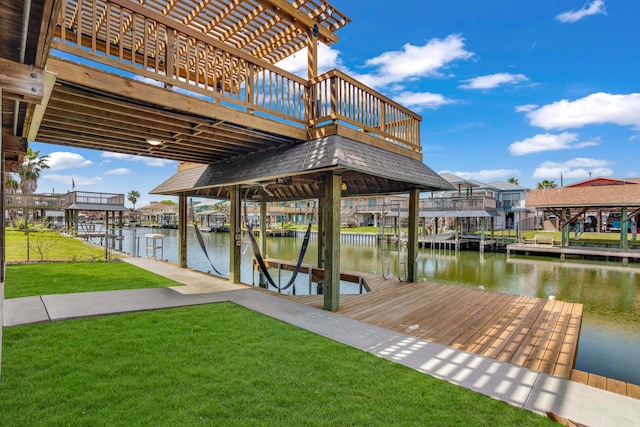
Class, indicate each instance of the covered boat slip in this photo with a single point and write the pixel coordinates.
(325, 169)
(570, 204)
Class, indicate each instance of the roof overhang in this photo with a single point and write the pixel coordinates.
(297, 172)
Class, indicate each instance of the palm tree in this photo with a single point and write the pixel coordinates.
(32, 165)
(11, 186)
(513, 180)
(545, 183)
(133, 196)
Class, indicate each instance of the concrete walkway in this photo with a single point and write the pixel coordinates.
(517, 386)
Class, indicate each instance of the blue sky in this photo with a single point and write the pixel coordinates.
(527, 89)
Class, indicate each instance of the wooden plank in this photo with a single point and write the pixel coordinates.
(616, 386)
(565, 360)
(633, 390)
(597, 381)
(580, 377)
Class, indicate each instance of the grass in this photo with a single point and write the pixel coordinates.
(49, 246)
(219, 365)
(22, 280)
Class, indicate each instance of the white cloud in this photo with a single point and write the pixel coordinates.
(486, 175)
(493, 80)
(118, 171)
(67, 179)
(526, 108)
(60, 160)
(623, 110)
(594, 8)
(415, 61)
(149, 161)
(328, 59)
(548, 142)
(578, 168)
(420, 100)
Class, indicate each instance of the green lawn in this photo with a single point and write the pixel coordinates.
(222, 365)
(24, 280)
(44, 245)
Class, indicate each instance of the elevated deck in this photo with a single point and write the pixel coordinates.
(535, 333)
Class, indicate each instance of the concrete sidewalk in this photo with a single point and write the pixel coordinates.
(509, 383)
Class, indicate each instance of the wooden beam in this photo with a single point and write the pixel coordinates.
(21, 82)
(182, 231)
(331, 247)
(120, 86)
(412, 243)
(13, 144)
(235, 243)
(300, 19)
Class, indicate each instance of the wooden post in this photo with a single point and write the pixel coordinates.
(2, 236)
(235, 230)
(331, 247)
(312, 55)
(262, 280)
(482, 232)
(182, 231)
(624, 226)
(412, 243)
(564, 228)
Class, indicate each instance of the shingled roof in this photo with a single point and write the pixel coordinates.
(611, 196)
(296, 172)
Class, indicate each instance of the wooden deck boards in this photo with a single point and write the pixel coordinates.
(535, 333)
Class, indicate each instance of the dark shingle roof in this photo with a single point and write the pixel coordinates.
(392, 172)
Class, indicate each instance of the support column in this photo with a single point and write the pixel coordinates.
(483, 221)
(624, 226)
(182, 231)
(412, 238)
(262, 280)
(331, 247)
(106, 234)
(235, 230)
(2, 236)
(564, 229)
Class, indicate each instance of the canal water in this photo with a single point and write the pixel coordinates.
(610, 336)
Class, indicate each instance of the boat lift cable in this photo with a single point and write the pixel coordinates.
(257, 254)
(201, 240)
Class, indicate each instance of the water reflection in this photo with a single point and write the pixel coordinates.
(610, 336)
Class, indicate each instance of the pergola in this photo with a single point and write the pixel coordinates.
(599, 194)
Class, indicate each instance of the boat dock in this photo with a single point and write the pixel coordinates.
(565, 252)
(534, 333)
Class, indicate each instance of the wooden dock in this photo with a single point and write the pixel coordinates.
(535, 333)
(564, 252)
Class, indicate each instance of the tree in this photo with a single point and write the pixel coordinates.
(546, 184)
(11, 187)
(133, 197)
(513, 180)
(32, 165)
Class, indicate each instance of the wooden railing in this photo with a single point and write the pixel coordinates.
(143, 43)
(33, 201)
(456, 203)
(89, 198)
(336, 96)
(148, 44)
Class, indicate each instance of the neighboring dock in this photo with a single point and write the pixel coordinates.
(564, 252)
(535, 333)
